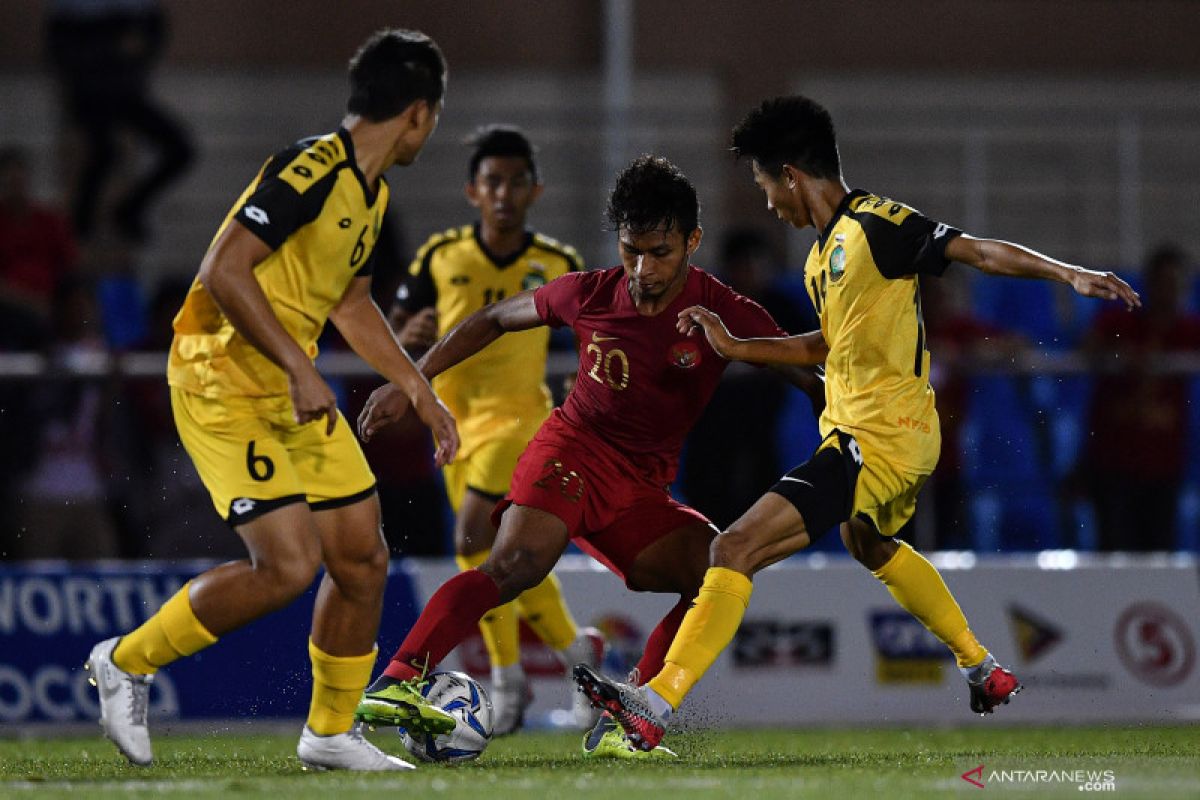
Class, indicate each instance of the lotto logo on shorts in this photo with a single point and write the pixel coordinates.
(243, 505)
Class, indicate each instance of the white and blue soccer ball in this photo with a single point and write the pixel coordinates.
(464, 699)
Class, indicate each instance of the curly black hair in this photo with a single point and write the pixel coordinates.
(652, 193)
(789, 130)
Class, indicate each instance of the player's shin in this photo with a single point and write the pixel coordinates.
(920, 590)
(707, 628)
(170, 634)
(449, 617)
(498, 627)
(338, 683)
(654, 656)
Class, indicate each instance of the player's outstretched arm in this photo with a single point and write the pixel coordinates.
(806, 349)
(227, 272)
(364, 328)
(387, 403)
(1004, 258)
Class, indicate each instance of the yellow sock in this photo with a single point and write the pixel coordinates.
(707, 629)
(546, 612)
(501, 636)
(920, 590)
(338, 683)
(172, 633)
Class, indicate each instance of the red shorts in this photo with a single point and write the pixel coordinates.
(610, 511)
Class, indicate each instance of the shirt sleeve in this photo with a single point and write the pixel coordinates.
(275, 210)
(558, 302)
(417, 290)
(911, 245)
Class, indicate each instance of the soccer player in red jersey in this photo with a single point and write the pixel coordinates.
(598, 469)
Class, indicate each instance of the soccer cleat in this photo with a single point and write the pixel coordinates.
(509, 701)
(588, 648)
(400, 704)
(124, 702)
(606, 740)
(628, 705)
(348, 750)
(994, 687)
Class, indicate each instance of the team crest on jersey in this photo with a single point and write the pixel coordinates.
(837, 264)
(534, 279)
(684, 355)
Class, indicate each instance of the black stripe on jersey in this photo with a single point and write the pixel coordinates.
(275, 210)
(573, 259)
(917, 246)
(419, 291)
(837, 214)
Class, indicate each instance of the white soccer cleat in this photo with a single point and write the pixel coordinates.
(510, 698)
(348, 750)
(124, 701)
(588, 648)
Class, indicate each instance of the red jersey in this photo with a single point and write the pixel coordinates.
(641, 384)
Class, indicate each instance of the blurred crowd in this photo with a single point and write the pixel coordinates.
(1107, 459)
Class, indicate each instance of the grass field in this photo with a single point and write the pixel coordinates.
(1150, 762)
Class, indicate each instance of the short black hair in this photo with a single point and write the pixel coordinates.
(393, 69)
(789, 130)
(500, 141)
(650, 193)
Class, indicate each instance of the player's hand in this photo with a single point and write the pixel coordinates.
(714, 329)
(311, 397)
(433, 412)
(1105, 285)
(420, 331)
(385, 405)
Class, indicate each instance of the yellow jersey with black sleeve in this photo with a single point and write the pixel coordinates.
(500, 391)
(863, 278)
(312, 206)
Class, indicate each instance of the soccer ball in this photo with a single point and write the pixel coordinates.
(464, 699)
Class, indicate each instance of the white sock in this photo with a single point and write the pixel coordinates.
(658, 705)
(507, 676)
(976, 673)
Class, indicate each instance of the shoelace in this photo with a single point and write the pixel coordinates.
(138, 709)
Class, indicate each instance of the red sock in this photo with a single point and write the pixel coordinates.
(451, 614)
(660, 641)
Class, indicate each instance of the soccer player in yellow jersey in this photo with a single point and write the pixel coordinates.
(880, 428)
(263, 428)
(499, 398)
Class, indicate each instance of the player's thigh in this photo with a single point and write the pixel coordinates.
(473, 528)
(528, 545)
(675, 562)
(821, 492)
(771, 530)
(884, 501)
(240, 457)
(656, 543)
(352, 539)
(284, 544)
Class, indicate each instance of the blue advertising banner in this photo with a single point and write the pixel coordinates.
(52, 613)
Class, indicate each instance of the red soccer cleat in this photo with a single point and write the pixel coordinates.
(627, 704)
(996, 689)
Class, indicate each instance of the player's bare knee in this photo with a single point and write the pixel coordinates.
(514, 571)
(730, 549)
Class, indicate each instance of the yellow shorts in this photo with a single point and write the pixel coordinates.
(488, 468)
(254, 458)
(844, 480)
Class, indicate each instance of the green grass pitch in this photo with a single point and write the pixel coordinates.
(1151, 762)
